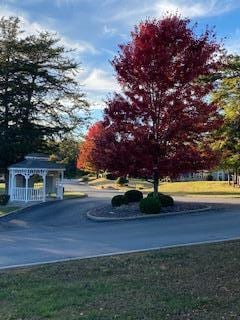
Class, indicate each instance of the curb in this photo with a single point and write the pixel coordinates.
(41, 204)
(149, 216)
(117, 253)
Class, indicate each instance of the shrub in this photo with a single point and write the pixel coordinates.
(119, 200)
(85, 179)
(165, 200)
(4, 198)
(122, 180)
(209, 177)
(133, 195)
(150, 205)
(110, 176)
(151, 194)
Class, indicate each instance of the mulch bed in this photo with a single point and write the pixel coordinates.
(132, 210)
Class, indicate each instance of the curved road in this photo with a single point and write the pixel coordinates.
(60, 230)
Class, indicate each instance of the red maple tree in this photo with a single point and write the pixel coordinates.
(88, 157)
(157, 124)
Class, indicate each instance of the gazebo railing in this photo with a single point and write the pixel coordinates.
(29, 194)
(35, 194)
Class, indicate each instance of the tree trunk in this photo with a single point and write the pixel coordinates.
(235, 178)
(229, 178)
(155, 181)
(97, 174)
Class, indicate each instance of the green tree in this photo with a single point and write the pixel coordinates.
(66, 151)
(227, 96)
(40, 96)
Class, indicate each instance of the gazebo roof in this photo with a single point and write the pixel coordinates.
(37, 161)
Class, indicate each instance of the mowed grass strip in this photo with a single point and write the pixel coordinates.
(4, 210)
(73, 195)
(2, 188)
(204, 188)
(199, 282)
(221, 188)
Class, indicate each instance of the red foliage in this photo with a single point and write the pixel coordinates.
(163, 115)
(87, 159)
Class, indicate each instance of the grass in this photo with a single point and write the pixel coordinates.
(133, 184)
(209, 188)
(73, 195)
(197, 283)
(220, 188)
(4, 210)
(2, 187)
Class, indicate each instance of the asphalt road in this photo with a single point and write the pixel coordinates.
(60, 230)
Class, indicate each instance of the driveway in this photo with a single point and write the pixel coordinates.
(60, 230)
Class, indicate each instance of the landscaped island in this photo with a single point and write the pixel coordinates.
(133, 205)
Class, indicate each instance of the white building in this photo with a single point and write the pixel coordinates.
(203, 175)
(35, 179)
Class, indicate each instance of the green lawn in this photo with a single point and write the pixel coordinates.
(197, 283)
(209, 188)
(133, 183)
(2, 187)
(4, 209)
(73, 195)
(200, 188)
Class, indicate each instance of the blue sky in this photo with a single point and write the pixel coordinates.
(94, 28)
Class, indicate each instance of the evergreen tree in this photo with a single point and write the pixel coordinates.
(40, 97)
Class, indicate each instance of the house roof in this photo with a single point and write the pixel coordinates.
(37, 155)
(37, 161)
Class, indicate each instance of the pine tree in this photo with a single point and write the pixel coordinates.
(40, 96)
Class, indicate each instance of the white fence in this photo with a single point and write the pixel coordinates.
(23, 194)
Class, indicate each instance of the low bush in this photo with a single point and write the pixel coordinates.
(110, 176)
(133, 195)
(165, 200)
(151, 194)
(4, 198)
(85, 179)
(119, 200)
(121, 181)
(150, 205)
(91, 175)
(209, 177)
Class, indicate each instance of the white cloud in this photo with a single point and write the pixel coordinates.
(233, 44)
(193, 8)
(188, 8)
(33, 27)
(100, 81)
(97, 104)
(109, 30)
(233, 47)
(80, 46)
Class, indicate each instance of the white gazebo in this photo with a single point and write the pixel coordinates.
(35, 179)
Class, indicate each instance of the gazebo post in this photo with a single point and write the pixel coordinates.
(62, 184)
(11, 186)
(26, 187)
(10, 183)
(44, 187)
